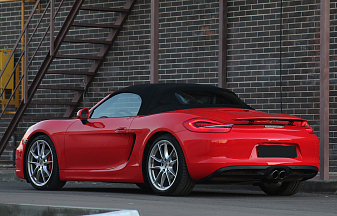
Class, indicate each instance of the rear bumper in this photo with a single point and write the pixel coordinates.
(262, 173)
(205, 153)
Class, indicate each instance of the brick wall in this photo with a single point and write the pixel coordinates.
(189, 53)
(333, 86)
(254, 59)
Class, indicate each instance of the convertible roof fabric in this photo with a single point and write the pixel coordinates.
(157, 98)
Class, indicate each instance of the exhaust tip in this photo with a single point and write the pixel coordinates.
(282, 174)
(275, 174)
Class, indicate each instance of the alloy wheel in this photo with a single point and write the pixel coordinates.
(163, 165)
(40, 162)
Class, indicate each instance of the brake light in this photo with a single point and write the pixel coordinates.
(207, 126)
(307, 127)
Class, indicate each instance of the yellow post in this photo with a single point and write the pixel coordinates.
(22, 45)
(22, 39)
(4, 54)
(17, 92)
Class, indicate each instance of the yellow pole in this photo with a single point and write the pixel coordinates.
(17, 92)
(22, 45)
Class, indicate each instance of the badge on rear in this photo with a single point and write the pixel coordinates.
(274, 126)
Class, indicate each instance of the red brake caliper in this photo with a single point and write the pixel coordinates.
(50, 165)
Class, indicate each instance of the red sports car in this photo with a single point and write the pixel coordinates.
(168, 137)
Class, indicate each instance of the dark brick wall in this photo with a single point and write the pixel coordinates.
(189, 53)
(254, 59)
(333, 85)
(189, 41)
(188, 47)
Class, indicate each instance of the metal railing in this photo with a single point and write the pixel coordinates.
(54, 46)
(24, 55)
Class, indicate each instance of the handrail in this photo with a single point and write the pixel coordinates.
(18, 41)
(52, 28)
(39, 22)
(25, 51)
(12, 53)
(40, 72)
(45, 33)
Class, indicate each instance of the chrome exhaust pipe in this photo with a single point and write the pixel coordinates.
(282, 174)
(274, 175)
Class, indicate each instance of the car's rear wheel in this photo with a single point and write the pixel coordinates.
(166, 169)
(281, 188)
(42, 164)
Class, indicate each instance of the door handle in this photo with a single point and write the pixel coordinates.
(121, 130)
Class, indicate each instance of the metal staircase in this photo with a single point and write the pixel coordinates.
(30, 88)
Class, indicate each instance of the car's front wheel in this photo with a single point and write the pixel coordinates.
(281, 188)
(166, 169)
(42, 165)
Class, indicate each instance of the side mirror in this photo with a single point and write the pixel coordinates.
(83, 115)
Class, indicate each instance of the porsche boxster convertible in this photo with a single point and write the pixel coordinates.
(168, 137)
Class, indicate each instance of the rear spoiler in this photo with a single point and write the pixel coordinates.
(270, 120)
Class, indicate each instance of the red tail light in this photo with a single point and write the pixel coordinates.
(307, 127)
(207, 126)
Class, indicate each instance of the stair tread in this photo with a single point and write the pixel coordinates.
(40, 72)
(54, 102)
(70, 72)
(94, 8)
(71, 40)
(95, 25)
(35, 84)
(61, 87)
(7, 161)
(79, 57)
(36, 117)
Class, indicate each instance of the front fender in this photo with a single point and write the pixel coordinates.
(55, 130)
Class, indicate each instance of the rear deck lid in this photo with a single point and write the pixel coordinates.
(245, 116)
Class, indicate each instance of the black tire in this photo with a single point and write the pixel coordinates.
(144, 186)
(168, 165)
(281, 188)
(42, 165)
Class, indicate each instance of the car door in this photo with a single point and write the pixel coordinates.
(104, 141)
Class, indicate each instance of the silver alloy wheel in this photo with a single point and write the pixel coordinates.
(40, 162)
(163, 165)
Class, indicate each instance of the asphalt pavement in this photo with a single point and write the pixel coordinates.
(310, 186)
(315, 198)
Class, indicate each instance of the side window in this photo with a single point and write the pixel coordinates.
(121, 105)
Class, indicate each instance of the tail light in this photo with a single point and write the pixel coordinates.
(207, 126)
(307, 127)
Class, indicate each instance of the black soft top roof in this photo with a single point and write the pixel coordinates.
(157, 98)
